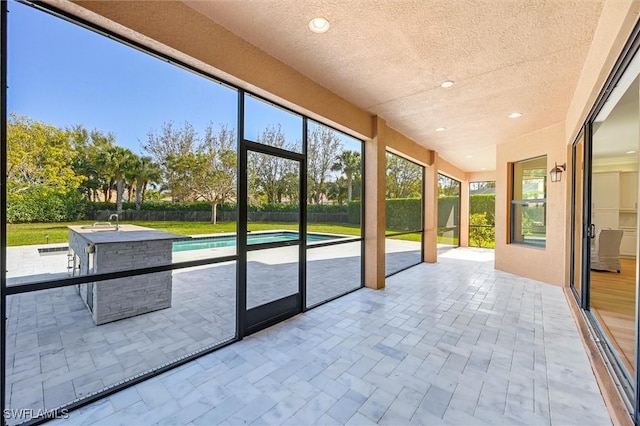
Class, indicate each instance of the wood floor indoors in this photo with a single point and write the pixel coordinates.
(613, 301)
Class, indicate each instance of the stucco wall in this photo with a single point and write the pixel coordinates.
(484, 176)
(551, 264)
(543, 264)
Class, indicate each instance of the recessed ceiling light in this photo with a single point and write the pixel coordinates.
(447, 84)
(441, 129)
(319, 25)
(469, 156)
(515, 115)
(631, 152)
(484, 168)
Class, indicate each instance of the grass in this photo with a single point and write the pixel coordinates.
(452, 241)
(406, 237)
(23, 234)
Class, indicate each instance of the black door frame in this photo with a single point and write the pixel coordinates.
(266, 315)
(583, 296)
(629, 51)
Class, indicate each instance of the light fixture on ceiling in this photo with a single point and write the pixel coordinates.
(483, 168)
(631, 152)
(515, 115)
(447, 84)
(468, 156)
(319, 25)
(556, 172)
(441, 129)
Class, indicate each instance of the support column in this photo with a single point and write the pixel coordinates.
(374, 217)
(430, 241)
(464, 213)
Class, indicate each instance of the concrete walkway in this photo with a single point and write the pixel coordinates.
(450, 343)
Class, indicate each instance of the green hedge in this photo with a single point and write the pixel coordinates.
(403, 214)
(205, 206)
(161, 206)
(353, 210)
(37, 206)
(483, 203)
(448, 206)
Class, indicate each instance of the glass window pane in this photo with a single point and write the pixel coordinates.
(56, 352)
(147, 144)
(529, 225)
(271, 125)
(333, 270)
(403, 195)
(334, 181)
(272, 274)
(482, 207)
(613, 259)
(448, 212)
(528, 207)
(402, 251)
(273, 196)
(334, 190)
(530, 179)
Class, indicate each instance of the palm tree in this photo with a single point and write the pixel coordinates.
(143, 172)
(98, 153)
(349, 164)
(118, 161)
(337, 191)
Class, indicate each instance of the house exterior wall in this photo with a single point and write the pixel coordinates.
(551, 264)
(544, 264)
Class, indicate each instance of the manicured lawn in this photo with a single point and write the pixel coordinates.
(452, 241)
(36, 233)
(406, 237)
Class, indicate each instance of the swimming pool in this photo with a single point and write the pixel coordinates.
(204, 243)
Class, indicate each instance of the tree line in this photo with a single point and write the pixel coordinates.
(178, 164)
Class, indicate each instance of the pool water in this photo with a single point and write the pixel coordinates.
(230, 240)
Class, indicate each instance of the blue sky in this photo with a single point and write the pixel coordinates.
(64, 75)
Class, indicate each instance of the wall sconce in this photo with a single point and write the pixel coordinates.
(556, 172)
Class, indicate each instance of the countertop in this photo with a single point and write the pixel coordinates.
(125, 233)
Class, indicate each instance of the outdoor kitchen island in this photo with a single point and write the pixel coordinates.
(105, 248)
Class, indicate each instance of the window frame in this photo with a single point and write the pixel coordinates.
(514, 202)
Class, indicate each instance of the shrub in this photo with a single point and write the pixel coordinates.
(403, 214)
(35, 205)
(481, 232)
(353, 211)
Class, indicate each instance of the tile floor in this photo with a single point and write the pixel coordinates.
(56, 354)
(450, 343)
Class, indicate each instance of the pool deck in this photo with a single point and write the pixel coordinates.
(452, 343)
(55, 354)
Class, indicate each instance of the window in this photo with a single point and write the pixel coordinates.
(404, 223)
(529, 202)
(448, 212)
(482, 209)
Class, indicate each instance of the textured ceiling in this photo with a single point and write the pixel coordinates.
(389, 58)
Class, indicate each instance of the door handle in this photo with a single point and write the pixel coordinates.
(591, 231)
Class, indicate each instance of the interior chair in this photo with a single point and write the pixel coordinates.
(605, 250)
